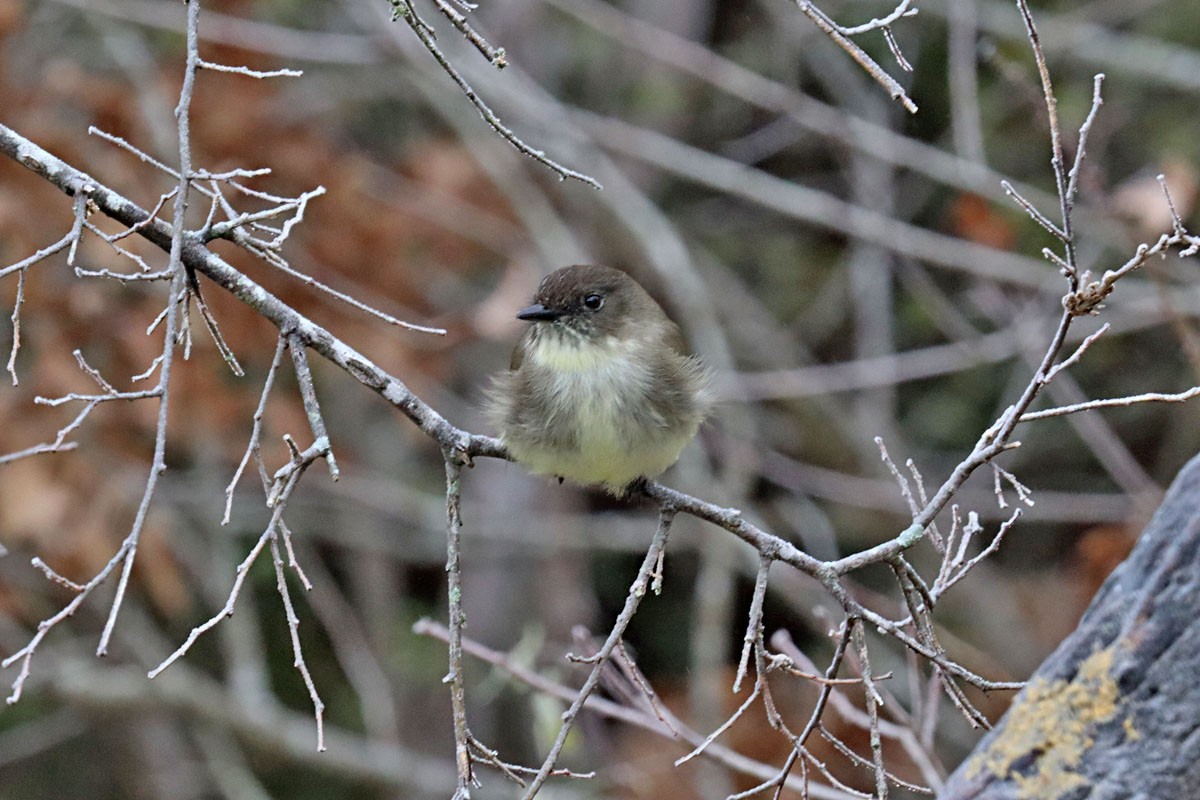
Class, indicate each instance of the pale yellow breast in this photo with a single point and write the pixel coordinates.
(595, 385)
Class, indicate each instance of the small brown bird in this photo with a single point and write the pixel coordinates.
(600, 389)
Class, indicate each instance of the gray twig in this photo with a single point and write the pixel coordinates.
(254, 445)
(312, 409)
(636, 591)
(402, 9)
(840, 38)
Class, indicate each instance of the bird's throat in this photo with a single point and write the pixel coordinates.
(576, 353)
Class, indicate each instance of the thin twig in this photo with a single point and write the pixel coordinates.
(173, 317)
(98, 398)
(873, 702)
(830, 29)
(1033, 212)
(1084, 130)
(55, 577)
(312, 409)
(894, 47)
(138, 153)
(1073, 359)
(458, 703)
(629, 669)
(672, 727)
(243, 570)
(214, 330)
(253, 446)
(293, 623)
(71, 241)
(25, 654)
(126, 277)
(855, 758)
(636, 591)
(724, 726)
(1056, 148)
(283, 266)
(1112, 402)
(36, 450)
(959, 570)
(251, 73)
(901, 481)
(45, 252)
(16, 327)
(402, 9)
(903, 9)
(495, 55)
(754, 630)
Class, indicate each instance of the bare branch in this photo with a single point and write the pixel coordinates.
(754, 632)
(253, 447)
(174, 299)
(1034, 214)
(1056, 149)
(251, 73)
(294, 630)
(458, 703)
(633, 599)
(830, 29)
(672, 727)
(1073, 359)
(1112, 402)
(262, 232)
(495, 55)
(402, 9)
(1081, 147)
(312, 408)
(45, 252)
(54, 576)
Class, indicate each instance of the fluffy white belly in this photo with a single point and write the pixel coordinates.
(600, 393)
(603, 457)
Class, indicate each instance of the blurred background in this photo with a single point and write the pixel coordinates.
(849, 270)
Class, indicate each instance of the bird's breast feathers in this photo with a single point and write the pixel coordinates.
(599, 389)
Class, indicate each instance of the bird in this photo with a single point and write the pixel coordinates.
(601, 389)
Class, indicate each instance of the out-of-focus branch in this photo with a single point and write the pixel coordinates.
(272, 729)
(813, 206)
(247, 34)
(1146, 59)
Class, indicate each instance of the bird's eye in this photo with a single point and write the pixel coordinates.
(593, 302)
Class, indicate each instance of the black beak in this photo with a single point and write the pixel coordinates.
(538, 312)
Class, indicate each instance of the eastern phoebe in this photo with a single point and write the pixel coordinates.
(601, 389)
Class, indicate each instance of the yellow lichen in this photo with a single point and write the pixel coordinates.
(1132, 734)
(1053, 722)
